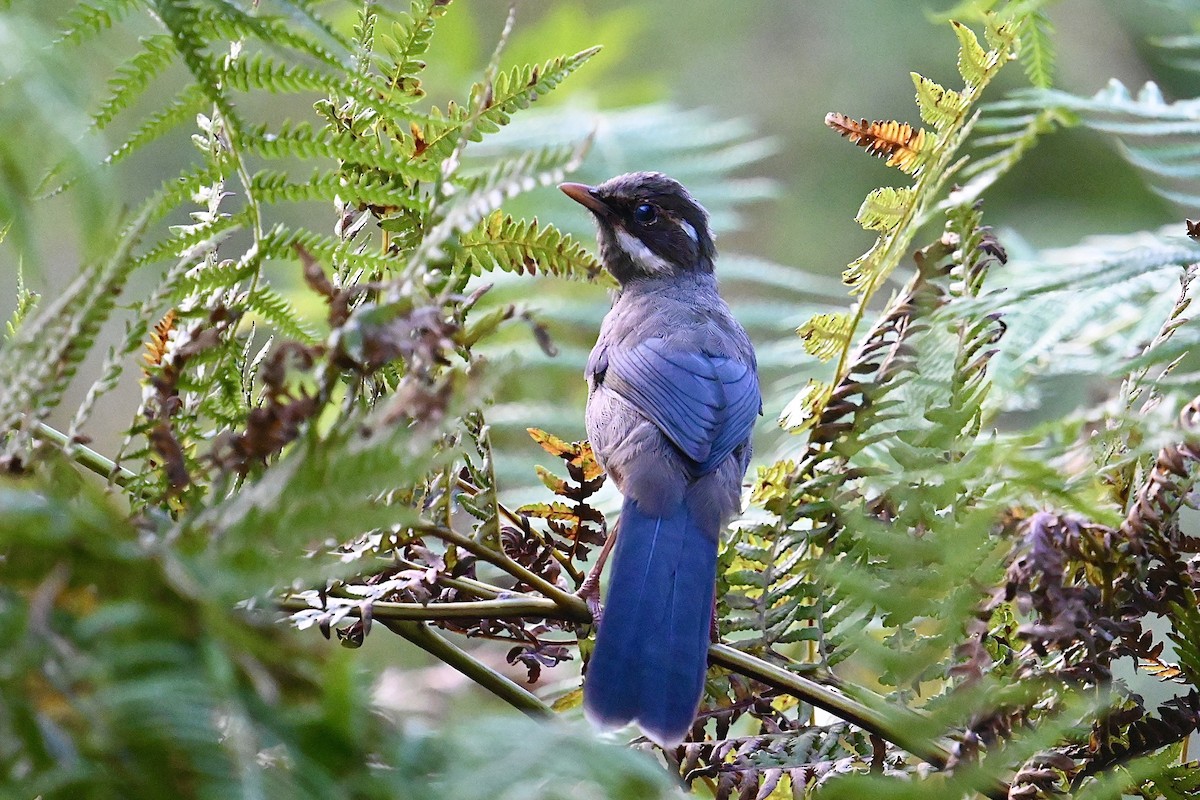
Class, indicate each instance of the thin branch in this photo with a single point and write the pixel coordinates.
(852, 711)
(84, 456)
(571, 605)
(438, 647)
(562, 558)
(480, 589)
(506, 608)
(895, 724)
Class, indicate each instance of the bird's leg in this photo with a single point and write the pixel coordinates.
(589, 590)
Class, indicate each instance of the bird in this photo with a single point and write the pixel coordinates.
(673, 397)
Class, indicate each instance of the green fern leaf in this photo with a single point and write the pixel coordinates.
(504, 243)
(1037, 50)
(279, 312)
(281, 243)
(224, 21)
(191, 242)
(939, 107)
(156, 54)
(492, 107)
(866, 272)
(885, 207)
(483, 193)
(270, 186)
(184, 107)
(87, 20)
(409, 41)
(801, 411)
(972, 58)
(181, 19)
(301, 141)
(1012, 144)
(26, 301)
(826, 335)
(261, 71)
(37, 364)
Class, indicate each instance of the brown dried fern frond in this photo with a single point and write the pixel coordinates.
(156, 344)
(898, 142)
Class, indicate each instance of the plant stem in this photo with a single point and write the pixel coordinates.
(834, 702)
(505, 608)
(572, 606)
(480, 589)
(84, 456)
(562, 558)
(888, 724)
(438, 647)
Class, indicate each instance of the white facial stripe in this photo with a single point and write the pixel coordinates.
(689, 230)
(649, 261)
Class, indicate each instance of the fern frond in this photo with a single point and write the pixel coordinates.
(410, 40)
(184, 107)
(1012, 137)
(362, 190)
(277, 310)
(939, 106)
(26, 302)
(191, 242)
(87, 20)
(131, 79)
(1156, 136)
(223, 20)
(281, 243)
(803, 409)
(895, 141)
(884, 208)
(481, 194)
(1061, 294)
(301, 141)
(261, 71)
(181, 19)
(492, 106)
(504, 243)
(933, 167)
(974, 63)
(37, 364)
(1037, 50)
(825, 335)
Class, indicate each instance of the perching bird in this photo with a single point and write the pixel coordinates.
(672, 399)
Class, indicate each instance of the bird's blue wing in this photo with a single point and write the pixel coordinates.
(706, 405)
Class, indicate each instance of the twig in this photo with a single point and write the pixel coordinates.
(505, 608)
(84, 456)
(887, 724)
(420, 635)
(834, 702)
(471, 586)
(562, 558)
(574, 608)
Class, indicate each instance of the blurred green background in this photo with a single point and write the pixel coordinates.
(778, 67)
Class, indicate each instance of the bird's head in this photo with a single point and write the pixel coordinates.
(649, 226)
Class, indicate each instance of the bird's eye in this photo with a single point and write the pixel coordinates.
(645, 214)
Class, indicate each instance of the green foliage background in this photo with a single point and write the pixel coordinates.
(952, 551)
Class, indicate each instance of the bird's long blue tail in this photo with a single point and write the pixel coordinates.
(651, 651)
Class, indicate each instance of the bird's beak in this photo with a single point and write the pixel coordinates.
(586, 196)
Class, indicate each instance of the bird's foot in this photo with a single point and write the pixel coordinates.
(589, 592)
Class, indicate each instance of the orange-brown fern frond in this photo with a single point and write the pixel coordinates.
(902, 146)
(156, 345)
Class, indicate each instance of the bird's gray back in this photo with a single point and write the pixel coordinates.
(690, 315)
